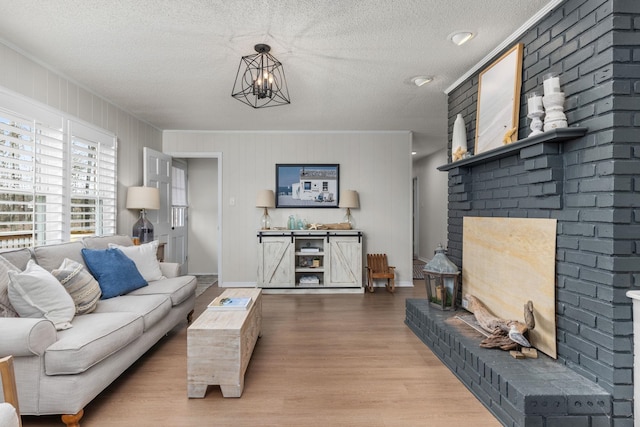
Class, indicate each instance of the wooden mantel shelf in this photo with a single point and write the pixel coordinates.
(556, 135)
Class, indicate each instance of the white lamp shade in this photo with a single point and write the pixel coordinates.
(349, 199)
(266, 199)
(143, 198)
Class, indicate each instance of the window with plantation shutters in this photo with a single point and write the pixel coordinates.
(92, 181)
(57, 176)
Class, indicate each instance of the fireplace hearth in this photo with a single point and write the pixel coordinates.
(519, 392)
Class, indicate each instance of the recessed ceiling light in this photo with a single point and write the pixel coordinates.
(421, 80)
(413, 153)
(460, 37)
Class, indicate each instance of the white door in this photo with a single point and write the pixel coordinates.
(179, 214)
(156, 168)
(416, 218)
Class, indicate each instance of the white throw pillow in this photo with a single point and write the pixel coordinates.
(145, 258)
(37, 293)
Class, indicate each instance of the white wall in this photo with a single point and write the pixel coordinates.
(376, 164)
(433, 199)
(31, 78)
(203, 216)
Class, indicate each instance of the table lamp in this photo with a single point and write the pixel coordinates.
(143, 198)
(266, 199)
(349, 199)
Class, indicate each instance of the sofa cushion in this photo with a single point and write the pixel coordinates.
(116, 274)
(17, 257)
(145, 257)
(51, 256)
(36, 293)
(152, 308)
(93, 338)
(102, 242)
(179, 289)
(6, 309)
(80, 284)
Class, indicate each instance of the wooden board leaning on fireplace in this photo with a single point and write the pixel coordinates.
(509, 261)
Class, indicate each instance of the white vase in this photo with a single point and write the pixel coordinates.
(459, 139)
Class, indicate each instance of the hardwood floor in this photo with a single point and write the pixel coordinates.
(322, 360)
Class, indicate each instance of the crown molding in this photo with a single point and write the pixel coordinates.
(506, 43)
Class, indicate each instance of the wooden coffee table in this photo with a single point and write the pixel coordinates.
(220, 343)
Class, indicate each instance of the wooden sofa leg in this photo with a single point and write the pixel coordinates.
(73, 420)
(190, 317)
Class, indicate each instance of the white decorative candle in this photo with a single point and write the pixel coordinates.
(551, 83)
(534, 103)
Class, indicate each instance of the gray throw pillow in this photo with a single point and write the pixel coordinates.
(6, 309)
(80, 284)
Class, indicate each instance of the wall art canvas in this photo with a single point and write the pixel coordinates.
(307, 185)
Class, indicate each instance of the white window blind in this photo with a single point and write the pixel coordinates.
(55, 185)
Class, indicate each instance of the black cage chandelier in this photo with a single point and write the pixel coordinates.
(260, 80)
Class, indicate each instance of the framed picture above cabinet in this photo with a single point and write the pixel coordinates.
(307, 185)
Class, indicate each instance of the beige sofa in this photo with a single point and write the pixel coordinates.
(61, 371)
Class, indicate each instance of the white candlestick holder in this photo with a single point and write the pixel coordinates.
(536, 122)
(535, 112)
(554, 109)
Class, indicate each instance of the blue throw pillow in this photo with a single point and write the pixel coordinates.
(115, 272)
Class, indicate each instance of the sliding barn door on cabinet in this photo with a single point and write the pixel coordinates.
(275, 262)
(345, 261)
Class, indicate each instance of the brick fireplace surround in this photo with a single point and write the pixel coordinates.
(591, 185)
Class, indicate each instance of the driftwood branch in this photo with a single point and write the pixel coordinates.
(488, 321)
(505, 334)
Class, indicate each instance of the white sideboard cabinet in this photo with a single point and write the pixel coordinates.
(310, 259)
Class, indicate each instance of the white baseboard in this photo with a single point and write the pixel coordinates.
(401, 284)
(237, 285)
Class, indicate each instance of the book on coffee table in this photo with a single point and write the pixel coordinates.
(229, 303)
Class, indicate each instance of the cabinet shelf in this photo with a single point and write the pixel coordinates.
(309, 285)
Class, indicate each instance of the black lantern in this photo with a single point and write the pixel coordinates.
(441, 278)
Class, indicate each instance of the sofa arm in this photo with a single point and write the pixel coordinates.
(24, 336)
(170, 269)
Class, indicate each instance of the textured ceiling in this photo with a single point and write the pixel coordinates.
(348, 63)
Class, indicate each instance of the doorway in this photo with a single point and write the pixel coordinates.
(204, 213)
(204, 218)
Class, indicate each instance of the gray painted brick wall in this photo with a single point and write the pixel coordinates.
(590, 184)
